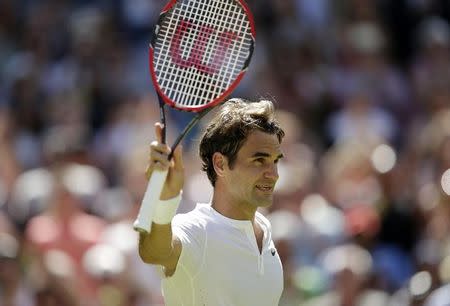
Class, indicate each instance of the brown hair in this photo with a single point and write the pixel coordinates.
(228, 130)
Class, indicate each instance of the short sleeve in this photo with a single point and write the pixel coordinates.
(192, 236)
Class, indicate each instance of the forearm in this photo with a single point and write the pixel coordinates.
(160, 246)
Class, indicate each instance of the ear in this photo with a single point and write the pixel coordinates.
(220, 163)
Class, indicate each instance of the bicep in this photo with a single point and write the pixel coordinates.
(160, 247)
(180, 243)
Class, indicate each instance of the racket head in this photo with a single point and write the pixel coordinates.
(200, 51)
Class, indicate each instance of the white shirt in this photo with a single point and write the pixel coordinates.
(220, 263)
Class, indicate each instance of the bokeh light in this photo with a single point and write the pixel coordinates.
(445, 182)
(383, 158)
(420, 283)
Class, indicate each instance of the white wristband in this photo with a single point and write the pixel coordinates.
(166, 210)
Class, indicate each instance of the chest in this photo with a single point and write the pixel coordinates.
(239, 270)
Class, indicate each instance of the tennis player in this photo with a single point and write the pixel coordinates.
(221, 253)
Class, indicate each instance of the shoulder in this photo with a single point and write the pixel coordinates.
(193, 222)
(189, 232)
(196, 217)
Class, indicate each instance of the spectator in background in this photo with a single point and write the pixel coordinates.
(360, 85)
(65, 226)
(13, 288)
(430, 67)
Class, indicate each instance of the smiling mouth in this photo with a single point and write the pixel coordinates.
(265, 188)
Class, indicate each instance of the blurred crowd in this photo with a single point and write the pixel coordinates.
(361, 215)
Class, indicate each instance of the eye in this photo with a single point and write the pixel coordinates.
(259, 161)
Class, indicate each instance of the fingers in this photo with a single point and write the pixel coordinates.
(159, 153)
(159, 131)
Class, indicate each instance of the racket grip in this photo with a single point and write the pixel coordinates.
(143, 222)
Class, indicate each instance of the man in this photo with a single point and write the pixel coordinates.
(222, 253)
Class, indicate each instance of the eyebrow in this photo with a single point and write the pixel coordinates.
(263, 154)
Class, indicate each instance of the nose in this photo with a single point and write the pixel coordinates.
(272, 172)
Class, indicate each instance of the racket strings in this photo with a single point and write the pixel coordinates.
(189, 80)
(201, 75)
(191, 36)
(193, 80)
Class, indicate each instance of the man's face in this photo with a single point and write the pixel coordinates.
(251, 179)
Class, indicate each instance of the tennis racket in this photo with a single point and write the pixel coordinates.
(199, 52)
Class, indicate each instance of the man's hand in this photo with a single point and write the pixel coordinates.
(159, 153)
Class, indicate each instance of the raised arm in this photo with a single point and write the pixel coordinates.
(160, 246)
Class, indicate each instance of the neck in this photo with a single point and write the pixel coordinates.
(230, 208)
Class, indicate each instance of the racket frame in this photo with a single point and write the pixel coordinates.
(143, 222)
(162, 96)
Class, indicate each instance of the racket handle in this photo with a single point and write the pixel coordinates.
(143, 222)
